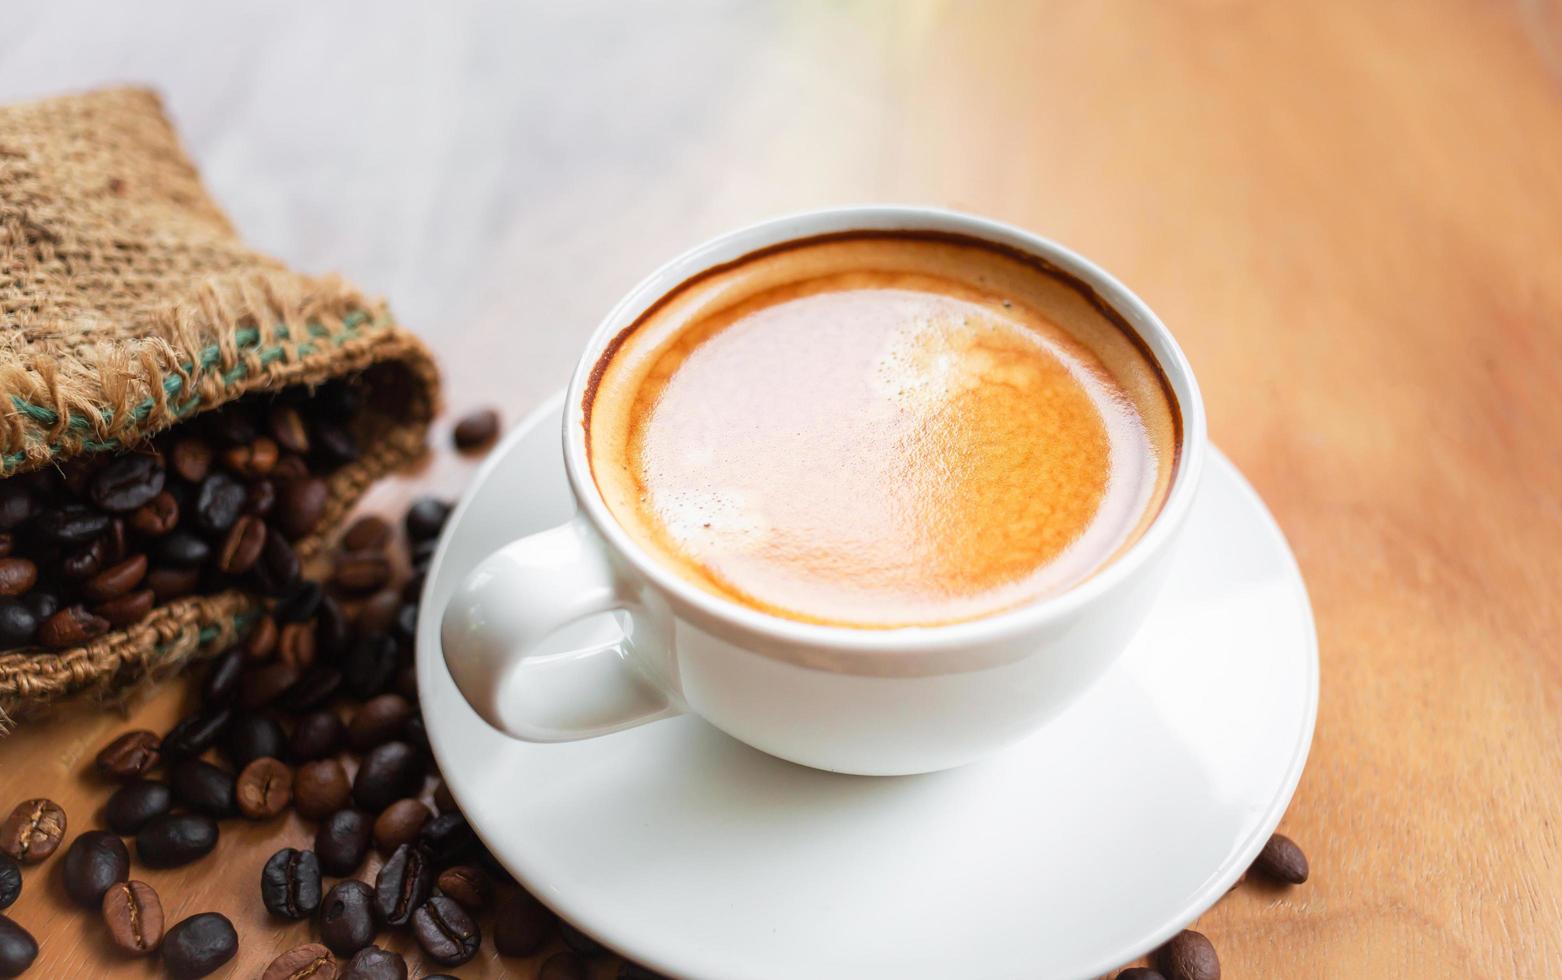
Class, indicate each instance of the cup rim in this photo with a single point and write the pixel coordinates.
(995, 627)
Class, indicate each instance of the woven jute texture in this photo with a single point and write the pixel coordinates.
(127, 305)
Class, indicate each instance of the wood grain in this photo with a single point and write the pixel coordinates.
(1350, 213)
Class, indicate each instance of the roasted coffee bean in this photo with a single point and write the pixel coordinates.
(264, 788)
(7, 543)
(195, 733)
(173, 583)
(426, 518)
(405, 882)
(289, 468)
(191, 458)
(183, 549)
(261, 499)
(296, 645)
(347, 917)
(116, 580)
(374, 963)
(134, 916)
(422, 554)
(254, 460)
(380, 719)
(368, 667)
(406, 681)
(448, 838)
(85, 562)
(476, 430)
(290, 884)
(265, 684)
(331, 630)
(377, 613)
(251, 737)
(71, 626)
(444, 930)
(17, 505)
(405, 629)
(333, 445)
(116, 544)
(33, 830)
(199, 945)
(286, 426)
(578, 941)
(367, 533)
(299, 604)
(42, 603)
(467, 885)
(317, 735)
(71, 524)
(128, 609)
(241, 548)
(134, 805)
(130, 756)
(388, 773)
(342, 842)
(1189, 956)
(1282, 861)
(93, 862)
(157, 516)
(316, 687)
(1140, 973)
(416, 735)
(219, 502)
(18, 625)
(360, 572)
(277, 571)
(311, 961)
(223, 678)
(300, 506)
(17, 575)
(399, 824)
(176, 839)
(522, 925)
(261, 642)
(320, 789)
(561, 966)
(126, 483)
(204, 787)
(18, 948)
(10, 880)
(443, 799)
(232, 425)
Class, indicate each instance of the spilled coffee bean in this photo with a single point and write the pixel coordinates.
(264, 789)
(445, 932)
(311, 961)
(203, 787)
(476, 430)
(176, 839)
(250, 737)
(347, 917)
(399, 824)
(388, 773)
(130, 756)
(1189, 956)
(1282, 861)
(374, 963)
(403, 883)
(199, 945)
(290, 884)
(33, 830)
(134, 916)
(18, 948)
(134, 805)
(94, 861)
(10, 881)
(522, 925)
(320, 788)
(342, 842)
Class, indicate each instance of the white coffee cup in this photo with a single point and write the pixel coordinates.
(876, 702)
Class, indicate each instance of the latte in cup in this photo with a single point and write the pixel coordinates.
(882, 429)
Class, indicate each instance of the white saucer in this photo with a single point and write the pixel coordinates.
(1065, 856)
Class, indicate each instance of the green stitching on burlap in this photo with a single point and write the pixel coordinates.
(173, 384)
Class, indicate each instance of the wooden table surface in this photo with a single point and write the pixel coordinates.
(1350, 213)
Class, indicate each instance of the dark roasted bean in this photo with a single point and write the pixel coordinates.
(522, 925)
(157, 516)
(264, 788)
(128, 609)
(134, 916)
(300, 506)
(71, 524)
(134, 805)
(299, 604)
(10, 880)
(342, 842)
(71, 626)
(367, 533)
(403, 883)
(426, 518)
(406, 682)
(368, 667)
(232, 425)
(447, 934)
(374, 963)
(467, 885)
(116, 580)
(33, 830)
(130, 756)
(223, 677)
(191, 458)
(1189, 956)
(311, 961)
(331, 629)
(127, 482)
(388, 773)
(320, 788)
(377, 614)
(203, 787)
(360, 572)
(199, 945)
(448, 838)
(476, 430)
(219, 503)
(277, 571)
(242, 546)
(290, 884)
(17, 575)
(42, 603)
(251, 737)
(18, 948)
(85, 562)
(287, 428)
(313, 690)
(261, 498)
(560, 966)
(18, 625)
(183, 549)
(254, 460)
(195, 733)
(296, 645)
(176, 839)
(443, 799)
(316, 735)
(17, 505)
(399, 824)
(264, 685)
(347, 917)
(93, 862)
(172, 583)
(1282, 861)
(380, 719)
(261, 642)
(289, 468)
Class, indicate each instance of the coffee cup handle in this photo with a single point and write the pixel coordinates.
(521, 595)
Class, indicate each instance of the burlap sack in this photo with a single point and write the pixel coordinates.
(128, 304)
